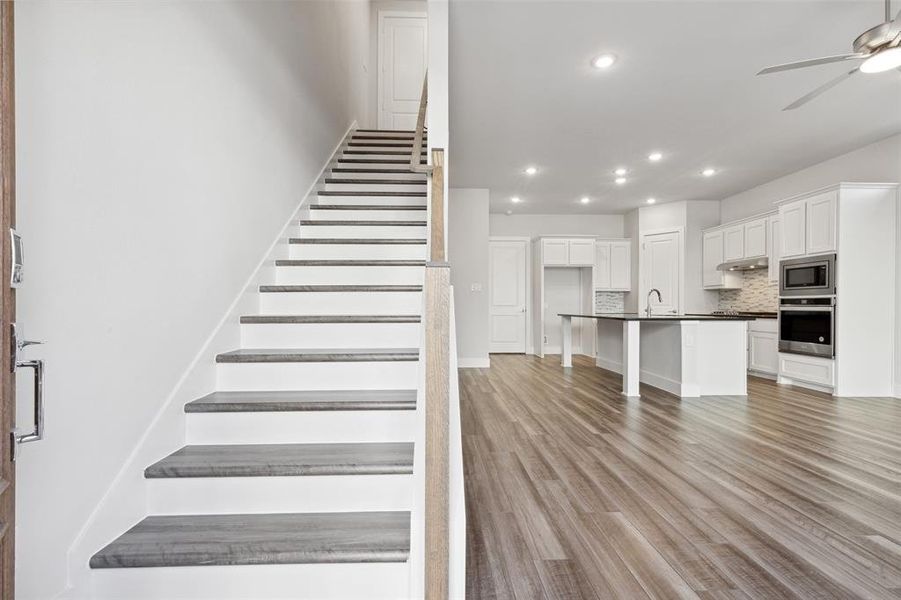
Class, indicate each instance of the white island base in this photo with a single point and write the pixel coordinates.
(686, 356)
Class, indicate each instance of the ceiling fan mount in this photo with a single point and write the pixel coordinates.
(879, 47)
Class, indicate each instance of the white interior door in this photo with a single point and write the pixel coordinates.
(403, 56)
(507, 268)
(661, 271)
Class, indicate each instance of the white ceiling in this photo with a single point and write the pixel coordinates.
(523, 92)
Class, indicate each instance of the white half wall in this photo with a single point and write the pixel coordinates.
(161, 149)
(533, 226)
(468, 256)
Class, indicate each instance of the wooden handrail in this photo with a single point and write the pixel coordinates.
(416, 165)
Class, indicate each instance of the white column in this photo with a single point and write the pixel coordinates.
(631, 354)
(566, 341)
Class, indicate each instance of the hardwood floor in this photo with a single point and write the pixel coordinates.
(573, 491)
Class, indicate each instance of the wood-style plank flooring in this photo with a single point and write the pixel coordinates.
(573, 491)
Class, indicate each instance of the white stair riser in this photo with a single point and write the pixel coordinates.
(234, 377)
(359, 251)
(386, 133)
(366, 215)
(383, 147)
(368, 200)
(361, 231)
(330, 335)
(382, 172)
(350, 154)
(253, 495)
(373, 165)
(341, 303)
(295, 427)
(328, 581)
(322, 275)
(375, 187)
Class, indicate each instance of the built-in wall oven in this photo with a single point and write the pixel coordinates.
(809, 276)
(807, 326)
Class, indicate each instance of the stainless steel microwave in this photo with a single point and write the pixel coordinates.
(809, 276)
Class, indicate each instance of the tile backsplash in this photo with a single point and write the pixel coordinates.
(756, 294)
(609, 302)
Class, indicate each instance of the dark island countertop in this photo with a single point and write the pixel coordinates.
(664, 317)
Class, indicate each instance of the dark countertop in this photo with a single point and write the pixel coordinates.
(754, 314)
(643, 317)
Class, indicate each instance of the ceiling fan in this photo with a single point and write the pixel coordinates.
(879, 48)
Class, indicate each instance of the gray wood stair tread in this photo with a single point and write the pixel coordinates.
(282, 355)
(375, 161)
(389, 131)
(304, 400)
(361, 181)
(384, 143)
(285, 460)
(359, 241)
(279, 289)
(341, 262)
(301, 319)
(366, 223)
(258, 539)
(371, 193)
(381, 152)
(367, 207)
(354, 170)
(404, 138)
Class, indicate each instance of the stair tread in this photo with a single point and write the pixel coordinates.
(383, 152)
(359, 181)
(353, 170)
(358, 241)
(254, 539)
(384, 143)
(271, 289)
(357, 223)
(408, 138)
(367, 207)
(371, 193)
(282, 355)
(286, 401)
(377, 161)
(341, 262)
(285, 460)
(301, 319)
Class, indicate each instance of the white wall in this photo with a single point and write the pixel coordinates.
(537, 225)
(161, 148)
(468, 257)
(879, 162)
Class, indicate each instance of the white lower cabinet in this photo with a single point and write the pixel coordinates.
(763, 346)
(808, 369)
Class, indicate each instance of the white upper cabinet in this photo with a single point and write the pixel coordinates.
(821, 212)
(734, 243)
(581, 253)
(774, 242)
(755, 234)
(808, 225)
(613, 268)
(793, 217)
(555, 252)
(713, 256)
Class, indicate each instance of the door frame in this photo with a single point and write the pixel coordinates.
(643, 286)
(382, 13)
(8, 301)
(527, 242)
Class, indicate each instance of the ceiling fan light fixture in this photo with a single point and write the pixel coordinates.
(884, 60)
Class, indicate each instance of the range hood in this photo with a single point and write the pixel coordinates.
(745, 264)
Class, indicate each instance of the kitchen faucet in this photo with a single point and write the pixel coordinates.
(659, 299)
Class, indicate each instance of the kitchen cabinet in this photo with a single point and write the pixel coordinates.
(774, 241)
(555, 252)
(763, 346)
(808, 225)
(809, 369)
(755, 237)
(581, 253)
(734, 243)
(794, 229)
(712, 256)
(613, 266)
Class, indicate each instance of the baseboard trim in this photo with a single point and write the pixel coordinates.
(610, 365)
(898, 391)
(473, 363)
(659, 381)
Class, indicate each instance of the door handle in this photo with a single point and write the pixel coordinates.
(37, 431)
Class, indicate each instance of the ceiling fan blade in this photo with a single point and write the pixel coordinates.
(825, 60)
(823, 88)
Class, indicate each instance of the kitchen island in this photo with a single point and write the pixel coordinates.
(686, 355)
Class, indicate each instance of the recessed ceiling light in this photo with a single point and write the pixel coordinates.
(620, 180)
(651, 200)
(708, 172)
(885, 60)
(530, 170)
(604, 61)
(509, 212)
(515, 199)
(620, 171)
(585, 200)
(655, 156)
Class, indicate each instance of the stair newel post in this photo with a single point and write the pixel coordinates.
(437, 210)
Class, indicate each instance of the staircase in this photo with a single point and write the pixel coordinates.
(296, 480)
